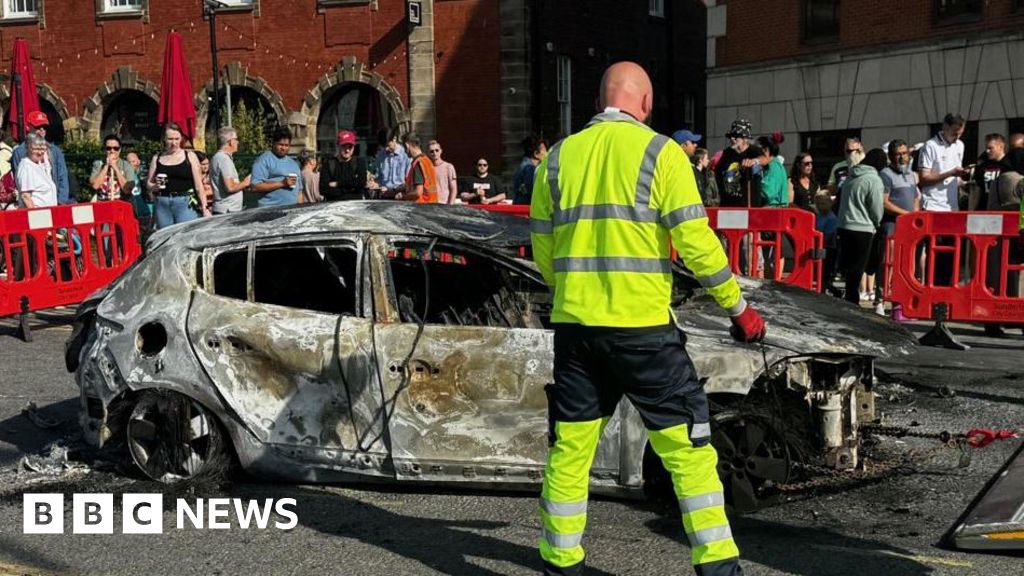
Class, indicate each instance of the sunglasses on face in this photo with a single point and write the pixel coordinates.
(112, 148)
(808, 162)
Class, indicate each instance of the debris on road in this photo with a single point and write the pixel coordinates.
(31, 411)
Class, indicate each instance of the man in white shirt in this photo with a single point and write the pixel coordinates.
(941, 167)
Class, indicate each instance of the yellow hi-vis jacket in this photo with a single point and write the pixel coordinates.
(605, 202)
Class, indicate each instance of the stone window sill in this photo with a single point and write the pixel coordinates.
(120, 14)
(19, 19)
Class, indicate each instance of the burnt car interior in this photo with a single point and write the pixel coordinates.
(469, 289)
(321, 278)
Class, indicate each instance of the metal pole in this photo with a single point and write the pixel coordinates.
(227, 101)
(215, 112)
(19, 102)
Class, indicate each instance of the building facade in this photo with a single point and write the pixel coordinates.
(478, 75)
(822, 70)
(313, 65)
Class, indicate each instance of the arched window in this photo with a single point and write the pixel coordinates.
(132, 115)
(352, 106)
(250, 112)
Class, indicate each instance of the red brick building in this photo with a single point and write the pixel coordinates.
(478, 75)
(823, 69)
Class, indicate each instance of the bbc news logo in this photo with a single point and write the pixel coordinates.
(144, 514)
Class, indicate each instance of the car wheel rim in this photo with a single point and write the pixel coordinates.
(171, 437)
(752, 456)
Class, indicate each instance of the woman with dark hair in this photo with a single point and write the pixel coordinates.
(802, 185)
(860, 215)
(174, 178)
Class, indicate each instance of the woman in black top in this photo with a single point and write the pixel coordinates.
(175, 180)
(802, 184)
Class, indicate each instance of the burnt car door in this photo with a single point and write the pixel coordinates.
(281, 330)
(465, 356)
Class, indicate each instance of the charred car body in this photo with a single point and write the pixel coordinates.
(393, 342)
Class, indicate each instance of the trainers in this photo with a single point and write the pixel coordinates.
(897, 315)
(880, 309)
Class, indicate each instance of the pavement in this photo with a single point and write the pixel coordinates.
(886, 527)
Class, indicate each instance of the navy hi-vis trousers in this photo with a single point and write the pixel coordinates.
(593, 368)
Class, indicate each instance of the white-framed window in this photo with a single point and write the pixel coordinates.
(564, 82)
(656, 8)
(122, 5)
(21, 8)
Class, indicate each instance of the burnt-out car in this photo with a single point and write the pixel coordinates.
(396, 342)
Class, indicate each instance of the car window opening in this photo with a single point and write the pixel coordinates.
(466, 289)
(321, 279)
(229, 274)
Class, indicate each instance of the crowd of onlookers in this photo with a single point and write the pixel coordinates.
(182, 184)
(856, 208)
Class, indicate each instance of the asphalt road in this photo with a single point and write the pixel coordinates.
(887, 527)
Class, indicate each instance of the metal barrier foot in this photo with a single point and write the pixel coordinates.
(24, 332)
(940, 336)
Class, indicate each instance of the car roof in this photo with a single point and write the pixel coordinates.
(491, 229)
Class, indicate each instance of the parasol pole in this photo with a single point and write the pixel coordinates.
(19, 102)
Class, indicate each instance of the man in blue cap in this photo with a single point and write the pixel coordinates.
(687, 141)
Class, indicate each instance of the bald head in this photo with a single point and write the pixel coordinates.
(627, 87)
(1016, 141)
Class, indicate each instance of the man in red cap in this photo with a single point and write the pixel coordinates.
(344, 177)
(38, 123)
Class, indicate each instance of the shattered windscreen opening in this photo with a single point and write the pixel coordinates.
(466, 289)
(316, 278)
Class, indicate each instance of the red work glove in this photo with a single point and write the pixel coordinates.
(748, 326)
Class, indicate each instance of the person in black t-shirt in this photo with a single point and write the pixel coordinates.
(482, 188)
(990, 166)
(344, 176)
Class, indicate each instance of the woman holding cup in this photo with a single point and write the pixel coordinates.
(174, 178)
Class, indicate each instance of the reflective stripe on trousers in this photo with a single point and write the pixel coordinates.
(701, 502)
(563, 507)
(563, 503)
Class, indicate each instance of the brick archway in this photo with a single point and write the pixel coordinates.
(45, 92)
(348, 70)
(238, 76)
(124, 78)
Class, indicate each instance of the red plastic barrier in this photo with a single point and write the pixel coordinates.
(752, 234)
(975, 290)
(58, 256)
(749, 234)
(522, 210)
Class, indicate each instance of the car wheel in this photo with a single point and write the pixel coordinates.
(752, 456)
(172, 437)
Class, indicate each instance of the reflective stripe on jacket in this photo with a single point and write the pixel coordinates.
(605, 203)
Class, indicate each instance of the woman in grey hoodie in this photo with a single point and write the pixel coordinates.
(860, 215)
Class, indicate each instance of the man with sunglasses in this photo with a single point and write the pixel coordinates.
(344, 176)
(38, 123)
(447, 185)
(112, 178)
(482, 188)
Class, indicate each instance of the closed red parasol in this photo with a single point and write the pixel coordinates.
(176, 89)
(21, 67)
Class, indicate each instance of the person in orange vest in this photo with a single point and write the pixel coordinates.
(421, 180)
